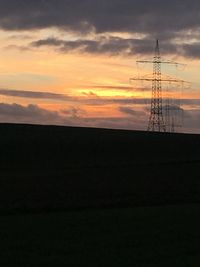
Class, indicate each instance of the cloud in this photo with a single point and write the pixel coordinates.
(191, 50)
(116, 46)
(104, 45)
(31, 113)
(168, 21)
(101, 45)
(73, 116)
(21, 48)
(189, 102)
(191, 121)
(73, 112)
(36, 95)
(20, 37)
(15, 113)
(117, 87)
(131, 111)
(88, 99)
(90, 94)
(166, 17)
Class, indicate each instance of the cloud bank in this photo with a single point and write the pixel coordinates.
(117, 46)
(132, 119)
(152, 17)
(91, 98)
(15, 113)
(176, 23)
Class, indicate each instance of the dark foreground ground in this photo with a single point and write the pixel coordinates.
(155, 236)
(91, 197)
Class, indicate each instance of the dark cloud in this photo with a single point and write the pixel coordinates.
(191, 121)
(165, 20)
(141, 16)
(118, 46)
(15, 113)
(35, 95)
(91, 98)
(172, 107)
(73, 112)
(117, 100)
(102, 45)
(191, 50)
(189, 102)
(131, 111)
(88, 99)
(73, 116)
(31, 113)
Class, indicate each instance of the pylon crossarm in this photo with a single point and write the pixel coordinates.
(162, 80)
(161, 61)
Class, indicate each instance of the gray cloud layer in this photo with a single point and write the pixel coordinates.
(118, 46)
(15, 113)
(104, 45)
(31, 113)
(154, 19)
(35, 95)
(130, 111)
(115, 15)
(89, 99)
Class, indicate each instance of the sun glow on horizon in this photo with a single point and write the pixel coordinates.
(86, 85)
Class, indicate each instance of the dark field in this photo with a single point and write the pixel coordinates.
(162, 236)
(96, 197)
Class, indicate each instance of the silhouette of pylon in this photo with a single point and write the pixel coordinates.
(156, 120)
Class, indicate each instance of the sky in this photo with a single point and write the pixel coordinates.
(70, 62)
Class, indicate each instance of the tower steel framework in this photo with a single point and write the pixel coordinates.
(157, 123)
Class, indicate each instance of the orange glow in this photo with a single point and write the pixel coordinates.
(80, 76)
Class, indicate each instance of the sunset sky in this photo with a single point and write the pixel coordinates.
(69, 62)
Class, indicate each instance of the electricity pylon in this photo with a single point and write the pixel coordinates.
(156, 119)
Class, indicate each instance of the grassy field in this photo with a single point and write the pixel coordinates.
(148, 236)
(96, 197)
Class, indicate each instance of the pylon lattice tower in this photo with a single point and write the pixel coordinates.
(156, 121)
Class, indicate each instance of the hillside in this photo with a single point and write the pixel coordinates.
(60, 168)
(97, 197)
